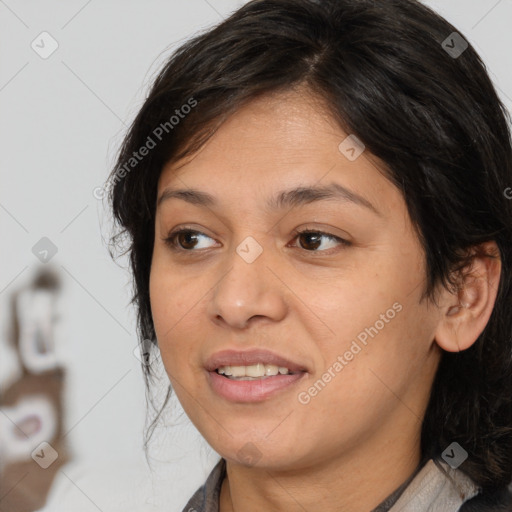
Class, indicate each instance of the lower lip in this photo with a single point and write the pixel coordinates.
(251, 390)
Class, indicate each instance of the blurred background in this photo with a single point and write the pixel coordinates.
(72, 402)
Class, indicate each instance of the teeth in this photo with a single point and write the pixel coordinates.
(255, 370)
(258, 370)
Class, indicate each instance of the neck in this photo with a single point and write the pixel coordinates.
(358, 482)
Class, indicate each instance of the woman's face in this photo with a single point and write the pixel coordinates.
(349, 314)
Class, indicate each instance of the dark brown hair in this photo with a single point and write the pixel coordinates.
(433, 117)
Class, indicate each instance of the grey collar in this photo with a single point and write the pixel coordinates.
(436, 488)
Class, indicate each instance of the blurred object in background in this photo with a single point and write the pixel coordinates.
(31, 435)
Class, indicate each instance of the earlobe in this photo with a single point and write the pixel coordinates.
(465, 313)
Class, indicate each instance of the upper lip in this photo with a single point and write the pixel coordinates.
(248, 358)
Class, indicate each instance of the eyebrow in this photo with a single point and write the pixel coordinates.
(285, 199)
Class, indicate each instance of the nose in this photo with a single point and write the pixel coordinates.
(248, 291)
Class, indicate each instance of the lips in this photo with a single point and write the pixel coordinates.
(250, 357)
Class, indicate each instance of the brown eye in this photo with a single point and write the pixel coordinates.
(185, 240)
(310, 240)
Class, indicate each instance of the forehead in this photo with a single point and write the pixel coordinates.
(279, 122)
(274, 143)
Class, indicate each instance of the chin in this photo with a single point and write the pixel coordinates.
(259, 454)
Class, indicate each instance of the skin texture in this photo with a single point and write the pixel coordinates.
(307, 299)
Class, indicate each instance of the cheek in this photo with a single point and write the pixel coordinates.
(177, 305)
(172, 294)
(361, 384)
(378, 329)
(177, 300)
(360, 306)
(389, 357)
(378, 281)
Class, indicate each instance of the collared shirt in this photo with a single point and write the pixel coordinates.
(433, 487)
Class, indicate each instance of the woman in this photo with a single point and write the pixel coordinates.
(314, 193)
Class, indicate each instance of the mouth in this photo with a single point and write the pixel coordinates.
(257, 371)
(252, 376)
(251, 363)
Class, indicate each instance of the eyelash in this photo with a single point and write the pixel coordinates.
(171, 241)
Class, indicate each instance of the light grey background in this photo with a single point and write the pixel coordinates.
(62, 119)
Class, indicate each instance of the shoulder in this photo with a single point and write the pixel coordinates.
(206, 498)
(496, 501)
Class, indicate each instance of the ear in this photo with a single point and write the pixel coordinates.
(465, 313)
